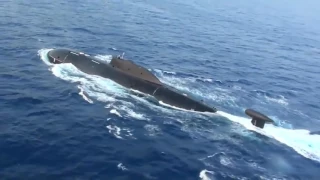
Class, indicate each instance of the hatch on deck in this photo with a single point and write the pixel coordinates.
(134, 69)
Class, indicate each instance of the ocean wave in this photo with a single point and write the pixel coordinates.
(27, 100)
(239, 81)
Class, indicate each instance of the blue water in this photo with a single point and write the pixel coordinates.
(59, 123)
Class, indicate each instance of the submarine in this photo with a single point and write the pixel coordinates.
(133, 76)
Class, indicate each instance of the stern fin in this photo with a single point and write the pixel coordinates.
(258, 119)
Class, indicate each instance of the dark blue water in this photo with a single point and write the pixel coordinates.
(58, 123)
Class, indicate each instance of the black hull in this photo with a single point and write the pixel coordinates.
(127, 75)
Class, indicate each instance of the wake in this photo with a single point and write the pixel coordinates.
(299, 139)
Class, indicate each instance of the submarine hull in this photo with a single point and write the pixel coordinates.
(129, 75)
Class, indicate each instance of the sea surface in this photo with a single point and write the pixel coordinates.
(59, 123)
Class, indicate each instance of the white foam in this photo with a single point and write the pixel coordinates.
(133, 114)
(279, 100)
(207, 80)
(106, 58)
(153, 130)
(183, 84)
(172, 78)
(121, 167)
(138, 92)
(181, 109)
(115, 130)
(203, 174)
(173, 107)
(120, 133)
(114, 111)
(169, 72)
(298, 139)
(95, 86)
(282, 100)
(128, 132)
(225, 161)
(43, 55)
(81, 93)
(213, 155)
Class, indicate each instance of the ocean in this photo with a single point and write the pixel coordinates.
(57, 122)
